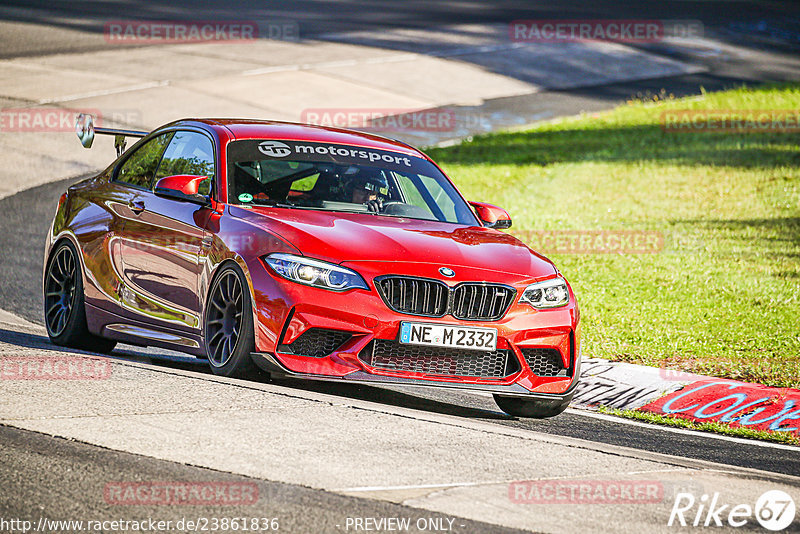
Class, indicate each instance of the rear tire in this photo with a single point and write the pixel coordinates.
(228, 324)
(64, 308)
(535, 408)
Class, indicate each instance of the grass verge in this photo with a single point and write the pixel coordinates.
(721, 297)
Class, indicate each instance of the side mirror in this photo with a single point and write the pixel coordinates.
(492, 216)
(84, 127)
(182, 187)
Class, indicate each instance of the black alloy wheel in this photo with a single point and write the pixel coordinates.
(59, 291)
(64, 307)
(228, 329)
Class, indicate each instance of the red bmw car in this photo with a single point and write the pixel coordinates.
(309, 252)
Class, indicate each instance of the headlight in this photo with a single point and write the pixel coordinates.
(314, 272)
(548, 294)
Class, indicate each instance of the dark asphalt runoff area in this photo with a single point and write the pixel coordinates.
(58, 26)
(74, 481)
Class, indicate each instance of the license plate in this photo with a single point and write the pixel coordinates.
(441, 335)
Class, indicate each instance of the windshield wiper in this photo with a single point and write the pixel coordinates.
(339, 210)
(272, 203)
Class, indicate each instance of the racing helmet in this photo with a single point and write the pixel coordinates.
(369, 179)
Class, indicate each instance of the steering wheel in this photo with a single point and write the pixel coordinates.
(375, 205)
(379, 205)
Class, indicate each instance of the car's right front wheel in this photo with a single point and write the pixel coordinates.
(535, 408)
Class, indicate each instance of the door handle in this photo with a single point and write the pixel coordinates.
(136, 206)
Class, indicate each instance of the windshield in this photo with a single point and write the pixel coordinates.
(341, 178)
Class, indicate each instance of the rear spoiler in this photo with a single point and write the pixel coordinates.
(84, 127)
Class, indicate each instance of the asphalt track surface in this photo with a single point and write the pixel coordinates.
(31, 461)
(38, 27)
(27, 215)
(52, 26)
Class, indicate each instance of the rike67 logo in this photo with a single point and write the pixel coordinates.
(774, 510)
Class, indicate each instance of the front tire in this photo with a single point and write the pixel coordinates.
(228, 324)
(535, 408)
(64, 308)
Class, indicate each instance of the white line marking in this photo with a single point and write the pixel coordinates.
(420, 486)
(104, 92)
(332, 64)
(498, 482)
(395, 59)
(270, 70)
(587, 412)
(685, 431)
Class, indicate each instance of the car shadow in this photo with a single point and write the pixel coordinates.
(170, 360)
(122, 352)
(390, 397)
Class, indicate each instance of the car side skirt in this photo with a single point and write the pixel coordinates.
(125, 330)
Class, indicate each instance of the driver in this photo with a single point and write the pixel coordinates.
(369, 187)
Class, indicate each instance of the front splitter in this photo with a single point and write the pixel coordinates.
(270, 364)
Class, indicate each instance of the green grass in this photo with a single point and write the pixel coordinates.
(721, 298)
(719, 428)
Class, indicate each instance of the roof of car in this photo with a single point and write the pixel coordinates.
(290, 131)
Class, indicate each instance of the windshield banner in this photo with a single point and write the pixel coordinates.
(247, 150)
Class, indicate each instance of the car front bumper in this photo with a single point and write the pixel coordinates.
(286, 310)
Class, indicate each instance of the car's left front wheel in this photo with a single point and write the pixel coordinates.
(64, 308)
(228, 329)
(535, 408)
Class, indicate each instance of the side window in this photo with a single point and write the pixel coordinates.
(189, 153)
(139, 168)
(305, 184)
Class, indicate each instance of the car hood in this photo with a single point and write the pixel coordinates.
(356, 237)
